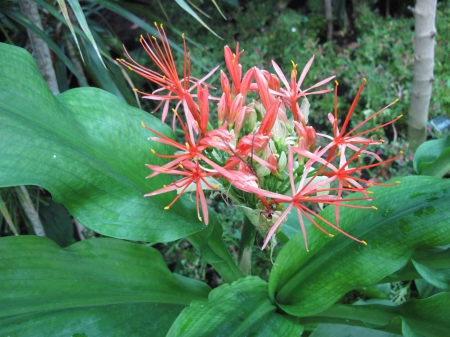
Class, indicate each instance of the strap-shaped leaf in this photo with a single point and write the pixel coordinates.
(427, 317)
(240, 309)
(98, 287)
(410, 215)
(89, 150)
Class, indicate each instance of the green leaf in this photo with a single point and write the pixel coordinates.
(410, 215)
(211, 246)
(439, 278)
(428, 317)
(101, 287)
(88, 149)
(240, 309)
(189, 10)
(432, 158)
(84, 26)
(340, 330)
(57, 222)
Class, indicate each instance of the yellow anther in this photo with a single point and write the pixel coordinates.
(163, 168)
(164, 186)
(306, 197)
(153, 151)
(293, 64)
(382, 140)
(143, 124)
(401, 152)
(399, 116)
(200, 218)
(336, 82)
(339, 152)
(375, 208)
(364, 242)
(364, 79)
(161, 25)
(175, 112)
(395, 101)
(154, 22)
(141, 37)
(154, 38)
(370, 192)
(181, 165)
(182, 36)
(398, 182)
(166, 208)
(135, 89)
(118, 59)
(331, 235)
(359, 156)
(217, 186)
(164, 78)
(187, 145)
(130, 68)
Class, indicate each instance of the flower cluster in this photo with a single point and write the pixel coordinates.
(261, 154)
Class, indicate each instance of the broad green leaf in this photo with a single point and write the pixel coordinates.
(432, 158)
(89, 150)
(101, 287)
(240, 309)
(427, 317)
(410, 215)
(439, 278)
(327, 330)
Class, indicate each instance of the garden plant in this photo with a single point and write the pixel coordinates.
(139, 180)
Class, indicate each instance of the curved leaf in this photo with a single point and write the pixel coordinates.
(88, 149)
(439, 278)
(427, 317)
(410, 215)
(240, 309)
(432, 158)
(90, 287)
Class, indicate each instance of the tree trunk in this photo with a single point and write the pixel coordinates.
(40, 48)
(425, 31)
(329, 18)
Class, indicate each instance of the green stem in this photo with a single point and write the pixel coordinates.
(210, 244)
(246, 246)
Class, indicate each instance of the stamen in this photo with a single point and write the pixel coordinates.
(364, 242)
(336, 82)
(143, 124)
(153, 151)
(135, 89)
(398, 182)
(375, 208)
(166, 208)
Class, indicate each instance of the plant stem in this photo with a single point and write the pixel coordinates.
(246, 246)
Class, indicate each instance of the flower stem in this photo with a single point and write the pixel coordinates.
(246, 246)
